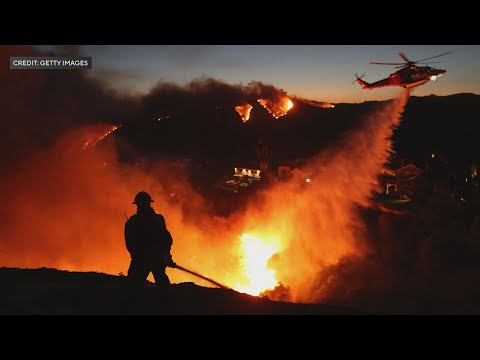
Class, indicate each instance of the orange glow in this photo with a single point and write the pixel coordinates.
(256, 253)
(96, 135)
(277, 107)
(65, 208)
(244, 111)
(318, 223)
(289, 104)
(318, 104)
(67, 212)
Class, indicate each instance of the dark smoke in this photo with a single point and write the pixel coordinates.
(203, 94)
(423, 262)
(64, 208)
(39, 105)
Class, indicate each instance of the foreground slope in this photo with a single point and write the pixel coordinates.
(49, 291)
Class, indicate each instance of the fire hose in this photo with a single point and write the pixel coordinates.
(201, 276)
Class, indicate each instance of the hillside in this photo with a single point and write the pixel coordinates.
(48, 291)
(445, 124)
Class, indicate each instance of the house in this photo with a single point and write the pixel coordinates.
(253, 174)
(401, 181)
(407, 172)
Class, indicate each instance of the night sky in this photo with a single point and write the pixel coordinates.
(316, 72)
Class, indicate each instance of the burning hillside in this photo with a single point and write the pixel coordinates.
(97, 134)
(253, 251)
(296, 240)
(277, 107)
(244, 111)
(277, 241)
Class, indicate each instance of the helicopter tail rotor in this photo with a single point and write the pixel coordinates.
(362, 83)
(357, 78)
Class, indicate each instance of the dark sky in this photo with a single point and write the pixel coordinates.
(316, 72)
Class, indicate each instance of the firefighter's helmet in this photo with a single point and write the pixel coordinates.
(142, 198)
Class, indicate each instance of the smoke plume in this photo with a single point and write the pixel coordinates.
(64, 207)
(205, 93)
(39, 105)
(320, 221)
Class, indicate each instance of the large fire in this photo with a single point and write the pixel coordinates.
(256, 254)
(82, 226)
(277, 107)
(63, 208)
(244, 111)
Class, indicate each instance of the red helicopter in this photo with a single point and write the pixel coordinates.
(409, 75)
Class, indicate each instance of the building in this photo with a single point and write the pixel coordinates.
(401, 181)
(250, 174)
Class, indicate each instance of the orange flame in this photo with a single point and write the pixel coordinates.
(256, 253)
(84, 221)
(319, 221)
(277, 108)
(244, 111)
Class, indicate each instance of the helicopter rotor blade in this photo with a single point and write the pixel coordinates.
(384, 63)
(431, 62)
(402, 55)
(409, 62)
(435, 56)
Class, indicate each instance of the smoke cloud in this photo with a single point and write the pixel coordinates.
(39, 105)
(64, 207)
(320, 221)
(341, 250)
(204, 93)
